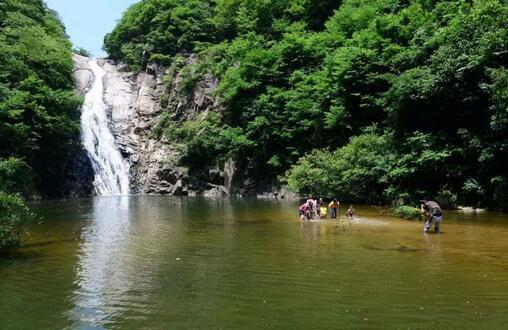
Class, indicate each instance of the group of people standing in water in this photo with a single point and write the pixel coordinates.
(315, 209)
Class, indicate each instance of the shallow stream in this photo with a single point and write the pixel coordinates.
(180, 263)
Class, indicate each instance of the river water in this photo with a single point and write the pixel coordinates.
(160, 262)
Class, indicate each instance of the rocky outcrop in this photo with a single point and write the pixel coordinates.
(135, 111)
(134, 102)
(136, 105)
(82, 74)
(80, 173)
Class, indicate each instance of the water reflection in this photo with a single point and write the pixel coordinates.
(159, 262)
(104, 269)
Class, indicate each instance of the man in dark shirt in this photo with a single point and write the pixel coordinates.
(434, 215)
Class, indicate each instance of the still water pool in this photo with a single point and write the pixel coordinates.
(185, 263)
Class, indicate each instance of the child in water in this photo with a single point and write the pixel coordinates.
(323, 211)
(315, 209)
(350, 212)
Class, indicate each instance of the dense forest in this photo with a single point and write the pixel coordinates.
(370, 101)
(375, 101)
(39, 125)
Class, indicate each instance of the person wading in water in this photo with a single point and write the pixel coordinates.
(434, 215)
(305, 210)
(334, 208)
(350, 213)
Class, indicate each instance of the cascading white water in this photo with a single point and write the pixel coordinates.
(111, 170)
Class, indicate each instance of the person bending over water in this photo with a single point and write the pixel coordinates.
(350, 212)
(305, 210)
(313, 204)
(434, 216)
(334, 208)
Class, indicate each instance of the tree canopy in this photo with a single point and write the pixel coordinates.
(385, 99)
(38, 119)
(37, 101)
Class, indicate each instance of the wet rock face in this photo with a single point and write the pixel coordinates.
(80, 174)
(82, 73)
(135, 110)
(136, 103)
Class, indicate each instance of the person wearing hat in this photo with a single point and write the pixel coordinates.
(434, 216)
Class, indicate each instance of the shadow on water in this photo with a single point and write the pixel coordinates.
(400, 248)
(30, 250)
(11, 255)
(38, 245)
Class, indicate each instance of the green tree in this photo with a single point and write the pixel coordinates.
(38, 118)
(301, 79)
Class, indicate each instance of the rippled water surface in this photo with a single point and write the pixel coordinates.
(160, 262)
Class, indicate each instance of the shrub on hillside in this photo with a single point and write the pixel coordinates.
(13, 212)
(356, 172)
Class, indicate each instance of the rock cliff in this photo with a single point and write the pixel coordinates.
(134, 105)
(80, 173)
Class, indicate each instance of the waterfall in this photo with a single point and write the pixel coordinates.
(111, 170)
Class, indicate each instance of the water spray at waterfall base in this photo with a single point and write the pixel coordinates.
(111, 170)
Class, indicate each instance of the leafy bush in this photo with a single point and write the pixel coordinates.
(82, 51)
(13, 212)
(159, 27)
(15, 176)
(447, 199)
(203, 142)
(407, 212)
(38, 118)
(160, 59)
(356, 172)
(190, 78)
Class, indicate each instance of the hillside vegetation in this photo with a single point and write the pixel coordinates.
(372, 101)
(38, 121)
